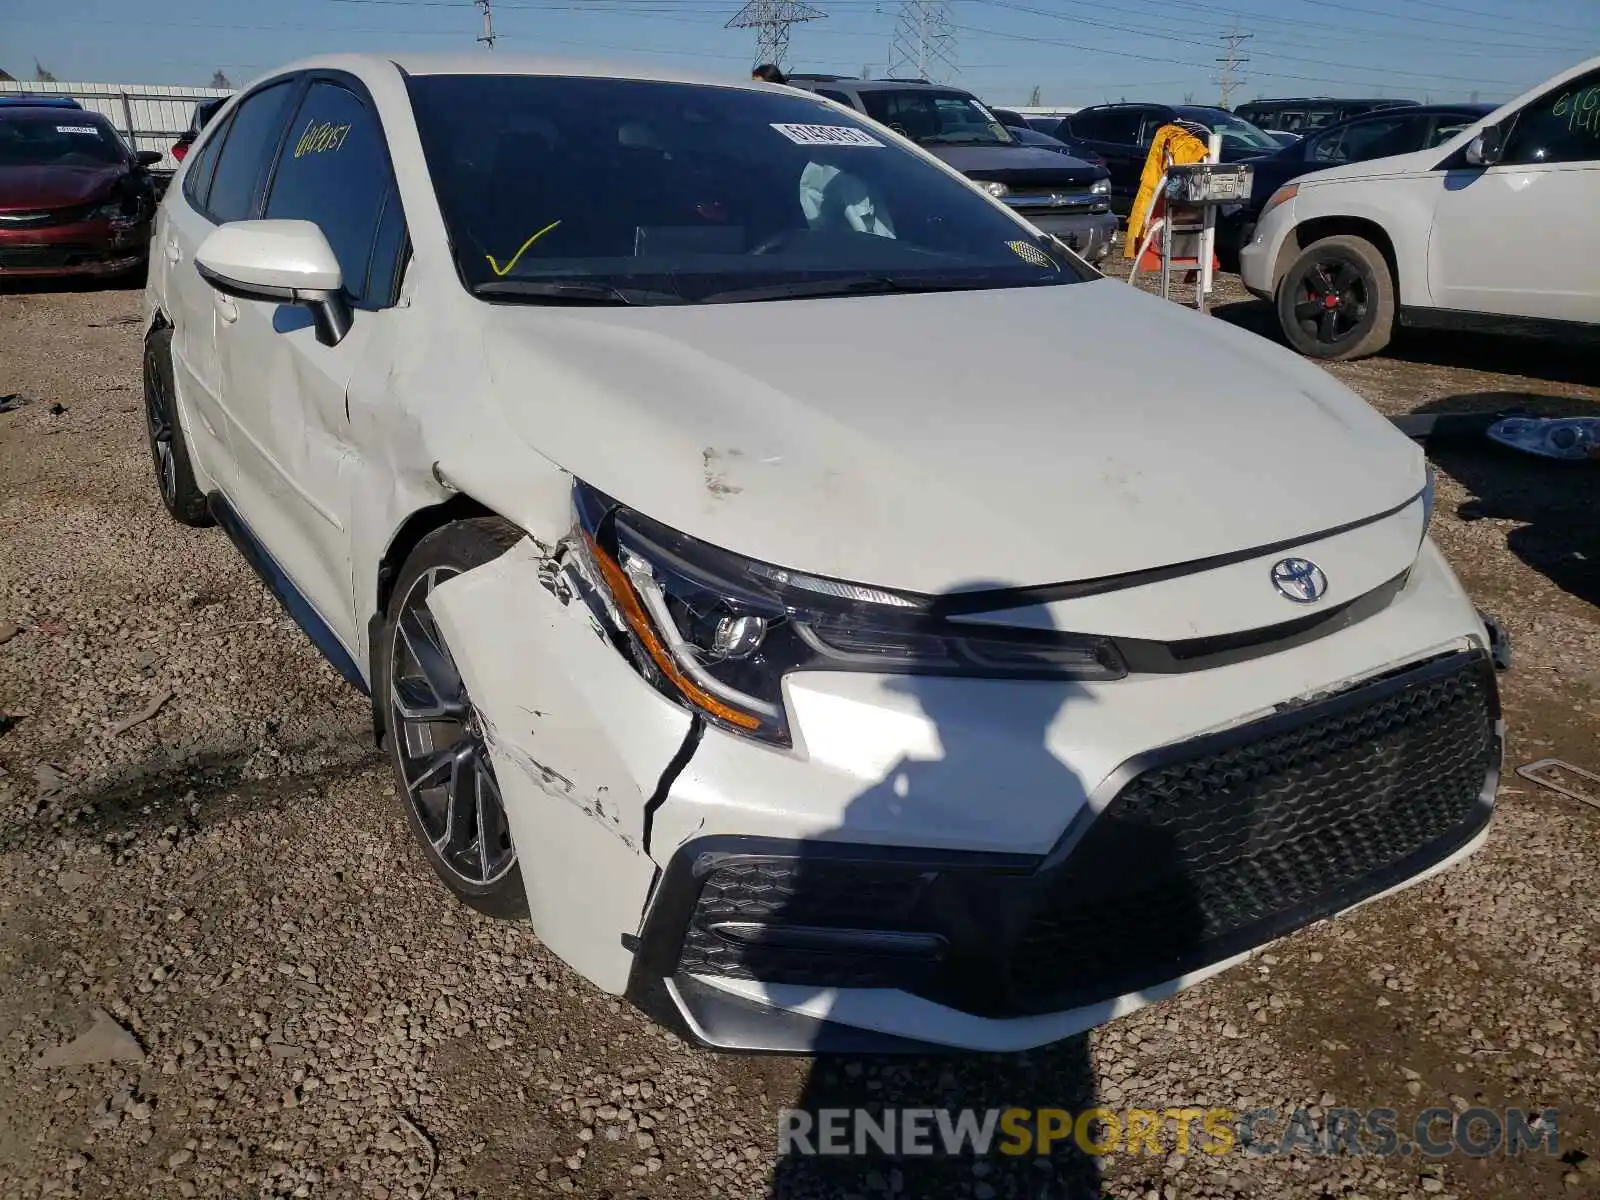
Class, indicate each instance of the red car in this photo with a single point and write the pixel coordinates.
(74, 200)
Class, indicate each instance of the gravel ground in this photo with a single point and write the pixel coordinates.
(277, 999)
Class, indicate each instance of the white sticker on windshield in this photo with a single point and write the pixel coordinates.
(827, 135)
(76, 129)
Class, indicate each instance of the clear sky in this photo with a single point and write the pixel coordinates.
(1073, 51)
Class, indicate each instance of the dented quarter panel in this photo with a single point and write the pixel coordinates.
(576, 755)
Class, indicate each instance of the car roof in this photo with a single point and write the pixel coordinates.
(421, 64)
(30, 100)
(878, 85)
(41, 112)
(1326, 100)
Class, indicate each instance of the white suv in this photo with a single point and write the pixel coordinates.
(1493, 230)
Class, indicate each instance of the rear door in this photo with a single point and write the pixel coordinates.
(286, 389)
(1520, 239)
(221, 184)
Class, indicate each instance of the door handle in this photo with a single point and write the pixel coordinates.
(173, 253)
(227, 309)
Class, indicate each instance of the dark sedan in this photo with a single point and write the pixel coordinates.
(1372, 135)
(74, 199)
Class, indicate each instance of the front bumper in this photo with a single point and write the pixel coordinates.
(1089, 234)
(81, 248)
(1187, 858)
(954, 852)
(1260, 250)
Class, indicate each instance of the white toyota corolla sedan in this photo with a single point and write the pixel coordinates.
(838, 617)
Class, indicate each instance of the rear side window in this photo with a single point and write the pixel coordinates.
(252, 140)
(1119, 125)
(1445, 128)
(836, 97)
(198, 181)
(1376, 137)
(335, 171)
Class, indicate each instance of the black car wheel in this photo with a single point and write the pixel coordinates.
(180, 494)
(1337, 300)
(444, 777)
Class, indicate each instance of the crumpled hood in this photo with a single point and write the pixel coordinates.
(23, 189)
(928, 440)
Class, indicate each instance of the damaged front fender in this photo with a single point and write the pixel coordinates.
(579, 744)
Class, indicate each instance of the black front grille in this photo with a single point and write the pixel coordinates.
(1199, 858)
(44, 218)
(1204, 850)
(58, 255)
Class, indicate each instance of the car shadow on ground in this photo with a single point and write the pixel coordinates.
(39, 285)
(1556, 503)
(1533, 358)
(1010, 942)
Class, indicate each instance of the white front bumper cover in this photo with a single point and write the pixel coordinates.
(886, 885)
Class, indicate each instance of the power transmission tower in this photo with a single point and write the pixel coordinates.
(1230, 61)
(772, 19)
(924, 44)
(488, 35)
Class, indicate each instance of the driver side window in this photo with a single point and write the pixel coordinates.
(1562, 127)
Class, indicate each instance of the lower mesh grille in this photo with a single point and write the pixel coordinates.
(1195, 860)
(818, 893)
(1212, 848)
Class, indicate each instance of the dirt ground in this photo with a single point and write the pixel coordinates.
(282, 1002)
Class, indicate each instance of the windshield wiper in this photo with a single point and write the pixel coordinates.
(572, 292)
(964, 139)
(852, 285)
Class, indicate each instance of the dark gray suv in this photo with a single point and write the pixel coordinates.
(1060, 195)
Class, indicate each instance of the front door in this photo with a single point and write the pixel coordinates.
(287, 391)
(1519, 238)
(221, 184)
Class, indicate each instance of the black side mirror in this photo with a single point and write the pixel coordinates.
(149, 158)
(1487, 148)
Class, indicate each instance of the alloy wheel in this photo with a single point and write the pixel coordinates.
(1333, 300)
(158, 419)
(440, 747)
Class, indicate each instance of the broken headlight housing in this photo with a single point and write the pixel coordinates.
(717, 632)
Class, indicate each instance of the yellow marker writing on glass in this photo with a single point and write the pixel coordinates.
(523, 249)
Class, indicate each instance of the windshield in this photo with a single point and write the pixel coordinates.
(575, 190)
(936, 118)
(1236, 134)
(63, 138)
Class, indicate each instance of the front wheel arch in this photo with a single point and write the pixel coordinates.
(1318, 229)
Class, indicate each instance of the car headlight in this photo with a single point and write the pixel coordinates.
(716, 632)
(1101, 187)
(1282, 196)
(997, 190)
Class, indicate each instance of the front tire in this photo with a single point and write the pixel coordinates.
(444, 778)
(1337, 301)
(180, 494)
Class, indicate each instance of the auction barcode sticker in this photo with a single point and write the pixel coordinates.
(76, 129)
(827, 135)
